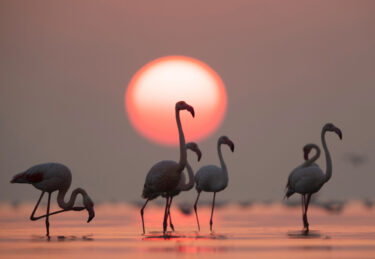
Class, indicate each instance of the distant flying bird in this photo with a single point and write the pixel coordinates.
(50, 177)
(332, 206)
(211, 178)
(355, 159)
(309, 178)
(182, 185)
(165, 175)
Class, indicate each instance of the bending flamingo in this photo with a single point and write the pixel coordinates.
(307, 180)
(308, 162)
(165, 175)
(306, 150)
(211, 178)
(50, 177)
(182, 186)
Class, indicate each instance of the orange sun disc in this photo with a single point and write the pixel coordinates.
(155, 88)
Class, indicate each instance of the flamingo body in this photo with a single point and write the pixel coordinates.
(160, 179)
(308, 178)
(305, 180)
(50, 177)
(211, 178)
(165, 175)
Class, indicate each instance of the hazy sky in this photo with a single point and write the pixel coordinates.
(288, 66)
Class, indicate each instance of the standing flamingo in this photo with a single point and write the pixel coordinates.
(165, 175)
(50, 177)
(211, 178)
(307, 180)
(182, 185)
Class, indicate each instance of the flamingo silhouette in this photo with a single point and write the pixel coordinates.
(308, 178)
(211, 178)
(165, 175)
(182, 185)
(50, 177)
(306, 150)
(308, 162)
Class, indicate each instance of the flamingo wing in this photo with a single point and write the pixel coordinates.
(28, 177)
(34, 177)
(161, 178)
(307, 180)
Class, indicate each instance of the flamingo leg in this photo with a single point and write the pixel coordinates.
(165, 221)
(212, 211)
(303, 203)
(195, 209)
(58, 212)
(306, 207)
(169, 214)
(143, 222)
(47, 218)
(36, 206)
(32, 217)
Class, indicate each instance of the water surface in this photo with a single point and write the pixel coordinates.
(259, 231)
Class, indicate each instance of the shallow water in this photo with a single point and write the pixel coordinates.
(260, 231)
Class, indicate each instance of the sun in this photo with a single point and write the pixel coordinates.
(156, 87)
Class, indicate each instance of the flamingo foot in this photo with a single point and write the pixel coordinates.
(172, 227)
(305, 223)
(165, 225)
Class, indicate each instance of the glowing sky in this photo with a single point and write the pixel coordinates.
(288, 67)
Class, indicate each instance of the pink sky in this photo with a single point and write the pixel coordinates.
(289, 67)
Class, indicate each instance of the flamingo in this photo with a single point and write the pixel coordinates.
(50, 177)
(211, 178)
(165, 175)
(182, 186)
(306, 150)
(308, 178)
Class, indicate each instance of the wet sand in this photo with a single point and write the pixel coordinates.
(259, 231)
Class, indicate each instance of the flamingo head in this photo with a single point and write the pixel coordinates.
(306, 150)
(181, 105)
(194, 147)
(227, 141)
(333, 128)
(89, 205)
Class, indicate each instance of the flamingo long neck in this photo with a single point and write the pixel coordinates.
(190, 184)
(314, 158)
(223, 165)
(183, 155)
(328, 157)
(73, 197)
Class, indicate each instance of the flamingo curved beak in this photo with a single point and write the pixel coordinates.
(191, 110)
(338, 132)
(91, 214)
(231, 145)
(199, 154)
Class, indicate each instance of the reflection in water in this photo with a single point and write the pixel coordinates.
(304, 234)
(192, 249)
(260, 231)
(182, 236)
(62, 238)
